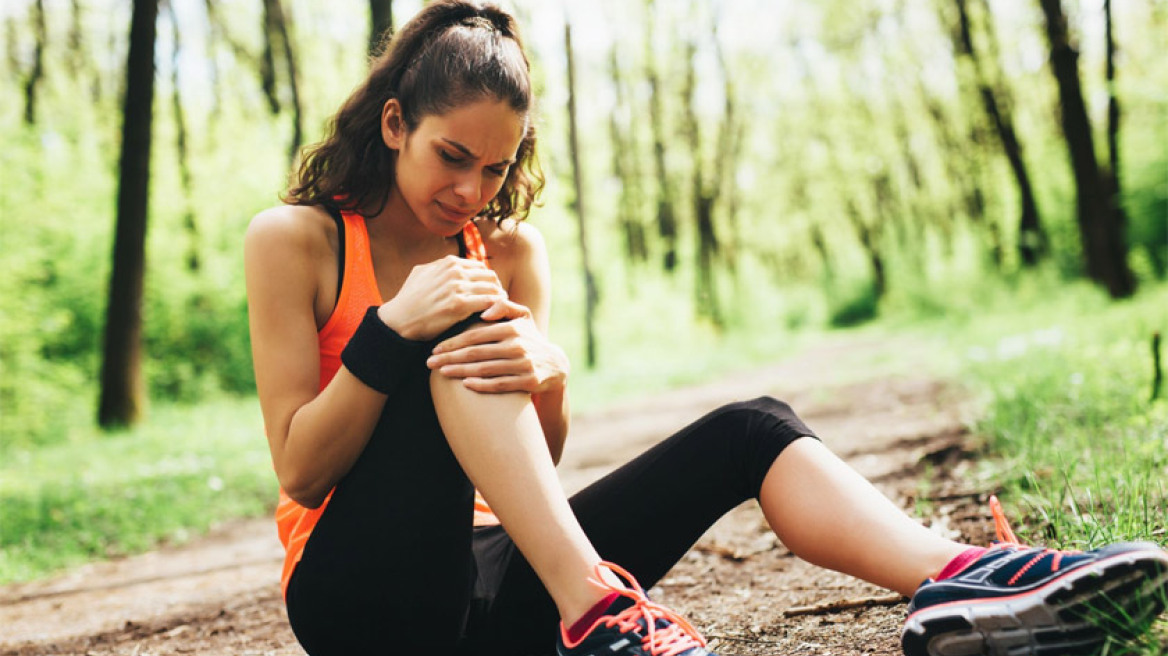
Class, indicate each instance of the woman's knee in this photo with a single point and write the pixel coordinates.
(756, 432)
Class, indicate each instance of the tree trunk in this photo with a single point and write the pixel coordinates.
(730, 137)
(704, 197)
(624, 167)
(190, 222)
(590, 294)
(1031, 237)
(31, 85)
(1112, 187)
(278, 44)
(1102, 236)
(666, 217)
(122, 394)
(380, 25)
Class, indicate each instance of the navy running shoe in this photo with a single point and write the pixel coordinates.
(639, 627)
(1024, 601)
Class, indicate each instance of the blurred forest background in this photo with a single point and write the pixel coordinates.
(738, 167)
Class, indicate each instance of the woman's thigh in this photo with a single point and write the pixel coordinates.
(389, 563)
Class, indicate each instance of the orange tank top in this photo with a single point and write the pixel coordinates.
(294, 522)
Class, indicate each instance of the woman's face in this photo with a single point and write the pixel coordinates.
(452, 164)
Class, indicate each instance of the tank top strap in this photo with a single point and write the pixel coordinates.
(473, 240)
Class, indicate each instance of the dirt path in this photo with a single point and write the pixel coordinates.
(220, 595)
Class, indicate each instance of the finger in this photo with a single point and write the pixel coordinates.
(486, 369)
(500, 384)
(479, 287)
(506, 309)
(483, 333)
(476, 353)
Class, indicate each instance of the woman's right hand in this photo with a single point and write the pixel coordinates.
(439, 294)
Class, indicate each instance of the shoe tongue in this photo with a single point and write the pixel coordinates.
(620, 604)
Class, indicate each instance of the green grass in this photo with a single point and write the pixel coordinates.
(105, 495)
(1069, 430)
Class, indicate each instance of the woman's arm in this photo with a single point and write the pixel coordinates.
(314, 436)
(531, 286)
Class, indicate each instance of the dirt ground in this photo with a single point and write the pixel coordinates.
(220, 595)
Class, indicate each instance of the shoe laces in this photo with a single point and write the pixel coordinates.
(675, 638)
(1008, 540)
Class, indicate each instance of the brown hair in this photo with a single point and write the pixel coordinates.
(452, 53)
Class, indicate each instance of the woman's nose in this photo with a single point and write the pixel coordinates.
(469, 187)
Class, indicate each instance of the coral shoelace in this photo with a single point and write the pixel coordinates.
(1007, 540)
(674, 639)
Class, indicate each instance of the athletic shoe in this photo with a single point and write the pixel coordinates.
(639, 627)
(1019, 601)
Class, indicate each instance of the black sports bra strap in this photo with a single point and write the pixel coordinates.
(461, 239)
(340, 220)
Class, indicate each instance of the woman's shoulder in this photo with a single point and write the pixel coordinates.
(510, 239)
(304, 229)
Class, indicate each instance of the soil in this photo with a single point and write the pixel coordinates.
(906, 433)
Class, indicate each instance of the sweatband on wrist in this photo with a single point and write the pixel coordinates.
(381, 358)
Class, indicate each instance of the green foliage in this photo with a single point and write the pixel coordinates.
(854, 306)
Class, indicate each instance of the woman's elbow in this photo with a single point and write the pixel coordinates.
(303, 489)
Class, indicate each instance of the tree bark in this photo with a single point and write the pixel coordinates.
(380, 24)
(122, 394)
(1104, 247)
(590, 294)
(1031, 237)
(32, 84)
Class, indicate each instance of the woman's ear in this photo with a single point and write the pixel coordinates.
(393, 124)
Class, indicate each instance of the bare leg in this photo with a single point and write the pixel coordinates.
(499, 443)
(829, 515)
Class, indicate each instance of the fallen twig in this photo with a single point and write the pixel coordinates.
(844, 604)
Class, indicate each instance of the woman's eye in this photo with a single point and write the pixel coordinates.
(498, 172)
(447, 157)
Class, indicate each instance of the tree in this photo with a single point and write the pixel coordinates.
(1101, 231)
(625, 168)
(36, 75)
(666, 216)
(380, 24)
(590, 294)
(190, 222)
(1031, 238)
(122, 395)
(278, 46)
(704, 194)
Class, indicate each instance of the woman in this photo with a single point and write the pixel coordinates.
(399, 312)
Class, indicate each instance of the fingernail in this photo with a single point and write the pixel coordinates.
(430, 361)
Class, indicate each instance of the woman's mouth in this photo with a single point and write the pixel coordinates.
(455, 214)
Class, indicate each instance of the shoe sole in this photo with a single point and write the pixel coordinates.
(1075, 614)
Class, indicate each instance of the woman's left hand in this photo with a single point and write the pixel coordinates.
(508, 356)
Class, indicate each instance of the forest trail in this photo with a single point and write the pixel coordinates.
(219, 595)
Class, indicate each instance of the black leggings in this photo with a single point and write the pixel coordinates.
(394, 563)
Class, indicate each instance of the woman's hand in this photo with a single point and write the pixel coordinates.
(509, 356)
(438, 295)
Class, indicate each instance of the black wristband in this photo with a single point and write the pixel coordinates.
(381, 358)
